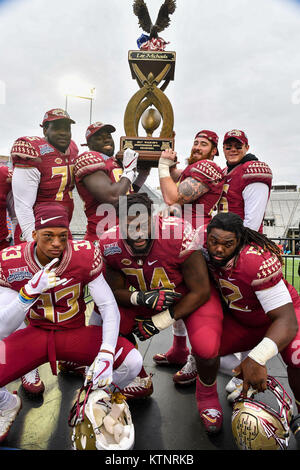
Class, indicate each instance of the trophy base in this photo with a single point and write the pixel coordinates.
(148, 148)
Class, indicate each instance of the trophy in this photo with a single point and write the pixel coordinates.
(153, 69)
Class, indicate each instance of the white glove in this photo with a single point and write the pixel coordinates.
(130, 164)
(101, 370)
(234, 389)
(43, 280)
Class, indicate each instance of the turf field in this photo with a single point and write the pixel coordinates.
(290, 270)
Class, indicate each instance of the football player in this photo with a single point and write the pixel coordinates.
(247, 181)
(158, 256)
(43, 169)
(101, 180)
(263, 310)
(43, 172)
(197, 189)
(44, 281)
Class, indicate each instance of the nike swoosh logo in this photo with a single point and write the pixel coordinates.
(229, 180)
(43, 221)
(126, 166)
(149, 299)
(34, 284)
(231, 279)
(104, 369)
(151, 262)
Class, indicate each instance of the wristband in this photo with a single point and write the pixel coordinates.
(164, 167)
(133, 297)
(108, 348)
(25, 298)
(163, 320)
(264, 351)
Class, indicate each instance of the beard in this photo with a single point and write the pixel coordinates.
(196, 157)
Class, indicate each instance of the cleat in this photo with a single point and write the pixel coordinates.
(140, 387)
(72, 368)
(7, 418)
(32, 383)
(209, 407)
(171, 357)
(188, 374)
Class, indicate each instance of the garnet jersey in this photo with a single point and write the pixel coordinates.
(255, 270)
(5, 188)
(160, 266)
(210, 174)
(86, 164)
(63, 306)
(236, 180)
(56, 168)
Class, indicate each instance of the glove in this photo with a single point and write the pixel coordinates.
(144, 328)
(234, 389)
(101, 370)
(130, 164)
(147, 327)
(42, 281)
(157, 299)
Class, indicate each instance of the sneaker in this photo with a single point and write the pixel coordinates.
(188, 374)
(32, 383)
(7, 418)
(209, 407)
(139, 388)
(171, 357)
(69, 367)
(234, 389)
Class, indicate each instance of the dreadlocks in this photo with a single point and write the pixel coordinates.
(230, 222)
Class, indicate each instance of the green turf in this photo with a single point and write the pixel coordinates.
(290, 271)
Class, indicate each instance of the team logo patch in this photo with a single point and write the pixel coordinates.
(18, 274)
(45, 148)
(111, 249)
(126, 261)
(58, 161)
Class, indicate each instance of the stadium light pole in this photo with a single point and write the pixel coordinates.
(73, 86)
(90, 98)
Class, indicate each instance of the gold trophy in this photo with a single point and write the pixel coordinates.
(153, 69)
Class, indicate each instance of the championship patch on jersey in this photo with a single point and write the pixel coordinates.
(44, 149)
(111, 249)
(18, 274)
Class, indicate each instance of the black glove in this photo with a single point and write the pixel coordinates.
(144, 328)
(157, 299)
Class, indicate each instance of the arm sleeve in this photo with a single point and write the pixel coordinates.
(255, 197)
(106, 302)
(274, 297)
(25, 183)
(12, 311)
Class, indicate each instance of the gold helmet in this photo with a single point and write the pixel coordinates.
(102, 421)
(257, 426)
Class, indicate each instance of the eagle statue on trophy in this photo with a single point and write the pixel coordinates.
(153, 42)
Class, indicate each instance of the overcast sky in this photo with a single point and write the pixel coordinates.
(237, 66)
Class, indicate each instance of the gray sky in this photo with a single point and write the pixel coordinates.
(237, 66)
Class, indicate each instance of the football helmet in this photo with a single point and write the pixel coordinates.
(102, 421)
(257, 426)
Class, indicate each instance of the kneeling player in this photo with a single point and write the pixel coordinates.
(49, 290)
